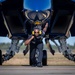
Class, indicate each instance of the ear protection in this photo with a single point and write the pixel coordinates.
(40, 32)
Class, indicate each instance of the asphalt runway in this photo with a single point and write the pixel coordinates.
(28, 70)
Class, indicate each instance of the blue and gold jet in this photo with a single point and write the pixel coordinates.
(19, 17)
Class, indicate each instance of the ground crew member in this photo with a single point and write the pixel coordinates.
(35, 42)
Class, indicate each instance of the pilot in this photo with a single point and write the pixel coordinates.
(35, 42)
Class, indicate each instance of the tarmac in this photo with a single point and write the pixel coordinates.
(29, 70)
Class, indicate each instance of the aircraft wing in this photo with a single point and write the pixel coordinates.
(11, 18)
(63, 18)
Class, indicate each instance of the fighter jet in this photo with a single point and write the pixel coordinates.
(19, 17)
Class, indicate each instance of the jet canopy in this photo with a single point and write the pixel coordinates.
(37, 5)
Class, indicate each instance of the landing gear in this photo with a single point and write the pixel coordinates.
(64, 48)
(0, 57)
(14, 47)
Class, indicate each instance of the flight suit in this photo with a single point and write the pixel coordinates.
(36, 43)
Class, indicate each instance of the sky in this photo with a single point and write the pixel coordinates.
(70, 40)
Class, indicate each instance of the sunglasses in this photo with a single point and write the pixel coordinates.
(36, 32)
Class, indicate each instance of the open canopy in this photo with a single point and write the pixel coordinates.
(37, 4)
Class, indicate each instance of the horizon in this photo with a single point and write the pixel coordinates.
(70, 40)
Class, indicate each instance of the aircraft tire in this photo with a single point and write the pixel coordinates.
(44, 59)
(0, 57)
